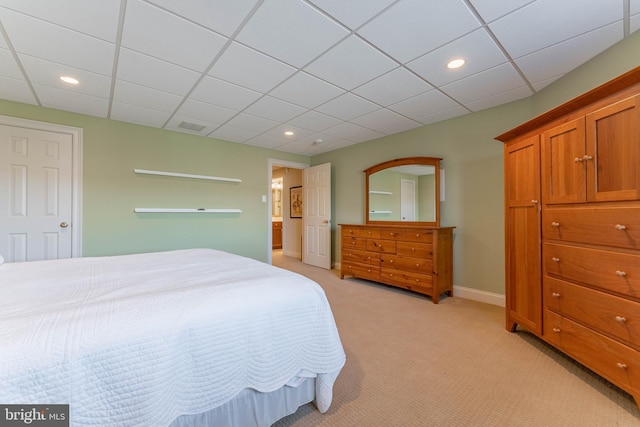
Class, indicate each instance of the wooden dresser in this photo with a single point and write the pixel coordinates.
(572, 211)
(416, 258)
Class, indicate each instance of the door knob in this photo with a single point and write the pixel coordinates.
(64, 225)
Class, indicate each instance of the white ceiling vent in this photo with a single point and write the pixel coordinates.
(191, 126)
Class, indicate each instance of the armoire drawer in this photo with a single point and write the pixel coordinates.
(418, 265)
(618, 227)
(408, 280)
(362, 257)
(609, 270)
(616, 317)
(609, 358)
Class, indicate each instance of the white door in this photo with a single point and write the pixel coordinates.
(407, 200)
(36, 186)
(316, 216)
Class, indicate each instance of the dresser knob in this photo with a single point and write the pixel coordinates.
(556, 330)
(417, 280)
(413, 249)
(555, 295)
(621, 365)
(390, 261)
(353, 243)
(578, 160)
(621, 227)
(417, 265)
(555, 259)
(621, 319)
(621, 273)
(534, 202)
(587, 157)
(555, 224)
(417, 234)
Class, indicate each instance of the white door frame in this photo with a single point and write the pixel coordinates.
(76, 173)
(272, 163)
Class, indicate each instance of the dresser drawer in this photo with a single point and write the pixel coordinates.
(357, 243)
(392, 233)
(423, 236)
(362, 257)
(414, 249)
(382, 246)
(611, 359)
(373, 233)
(609, 270)
(417, 265)
(413, 281)
(362, 271)
(619, 227)
(613, 316)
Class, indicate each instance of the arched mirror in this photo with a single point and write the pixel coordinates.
(404, 191)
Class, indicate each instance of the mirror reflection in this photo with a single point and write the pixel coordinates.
(404, 190)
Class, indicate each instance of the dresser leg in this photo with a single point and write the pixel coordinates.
(511, 325)
(637, 399)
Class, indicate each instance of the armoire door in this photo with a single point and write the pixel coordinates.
(523, 268)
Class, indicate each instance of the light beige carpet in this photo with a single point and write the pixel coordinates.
(413, 363)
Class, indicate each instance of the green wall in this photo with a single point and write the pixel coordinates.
(472, 160)
(111, 150)
(472, 163)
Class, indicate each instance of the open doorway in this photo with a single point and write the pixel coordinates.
(285, 228)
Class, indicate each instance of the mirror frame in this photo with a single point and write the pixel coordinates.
(427, 161)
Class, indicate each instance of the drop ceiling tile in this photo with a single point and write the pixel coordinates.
(306, 90)
(44, 40)
(411, 28)
(139, 115)
(48, 73)
(205, 112)
(294, 41)
(222, 16)
(634, 24)
(500, 98)
(134, 67)
(274, 109)
(393, 87)
(314, 121)
(478, 50)
(541, 64)
(351, 63)
(249, 68)
(141, 96)
(381, 120)
(298, 133)
(521, 32)
(352, 132)
(537, 86)
(347, 107)
(267, 141)
(441, 115)
(218, 92)
(228, 133)
(157, 33)
(634, 6)
(16, 90)
(8, 66)
(98, 19)
(3, 43)
(67, 100)
(423, 105)
(352, 13)
(485, 84)
(251, 123)
(490, 10)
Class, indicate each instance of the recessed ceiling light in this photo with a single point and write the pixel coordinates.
(69, 80)
(288, 133)
(456, 63)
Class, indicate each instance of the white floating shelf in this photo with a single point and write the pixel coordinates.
(186, 175)
(379, 212)
(380, 192)
(171, 210)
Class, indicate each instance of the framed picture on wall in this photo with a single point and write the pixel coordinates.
(296, 202)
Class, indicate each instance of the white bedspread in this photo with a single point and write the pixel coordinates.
(140, 339)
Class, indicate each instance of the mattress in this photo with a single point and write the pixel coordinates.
(142, 339)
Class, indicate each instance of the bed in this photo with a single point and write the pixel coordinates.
(178, 338)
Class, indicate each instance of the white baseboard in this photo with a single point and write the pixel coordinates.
(481, 296)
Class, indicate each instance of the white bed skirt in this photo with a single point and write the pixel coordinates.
(252, 408)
